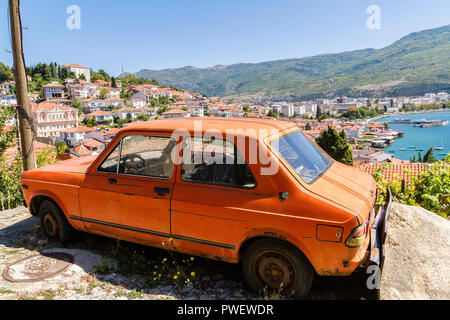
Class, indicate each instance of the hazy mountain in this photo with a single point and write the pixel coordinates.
(415, 64)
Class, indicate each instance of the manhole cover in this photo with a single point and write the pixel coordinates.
(38, 267)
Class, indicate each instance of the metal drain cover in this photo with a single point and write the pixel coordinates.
(38, 267)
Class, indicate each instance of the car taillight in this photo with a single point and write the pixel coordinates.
(356, 239)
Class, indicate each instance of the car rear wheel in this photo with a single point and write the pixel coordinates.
(53, 222)
(274, 267)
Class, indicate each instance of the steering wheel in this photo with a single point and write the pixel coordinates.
(132, 164)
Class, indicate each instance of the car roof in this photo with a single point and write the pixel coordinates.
(250, 127)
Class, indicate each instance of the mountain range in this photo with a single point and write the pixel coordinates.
(416, 64)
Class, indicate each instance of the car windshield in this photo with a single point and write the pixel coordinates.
(302, 155)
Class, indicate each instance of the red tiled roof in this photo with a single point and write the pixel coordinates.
(99, 113)
(48, 106)
(92, 143)
(53, 85)
(390, 172)
(79, 129)
(75, 66)
(82, 150)
(175, 111)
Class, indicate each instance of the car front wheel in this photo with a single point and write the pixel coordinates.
(53, 222)
(275, 267)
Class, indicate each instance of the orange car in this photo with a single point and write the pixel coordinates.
(236, 190)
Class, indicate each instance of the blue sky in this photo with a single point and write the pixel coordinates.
(168, 34)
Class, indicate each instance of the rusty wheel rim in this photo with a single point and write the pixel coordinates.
(275, 270)
(50, 224)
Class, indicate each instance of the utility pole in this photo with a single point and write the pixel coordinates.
(23, 101)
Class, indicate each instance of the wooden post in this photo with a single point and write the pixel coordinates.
(23, 101)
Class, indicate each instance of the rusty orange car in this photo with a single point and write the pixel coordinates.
(265, 196)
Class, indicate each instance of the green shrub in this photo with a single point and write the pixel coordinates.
(430, 189)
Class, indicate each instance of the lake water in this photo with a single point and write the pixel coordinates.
(421, 138)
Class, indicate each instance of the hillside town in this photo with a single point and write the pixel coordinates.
(84, 115)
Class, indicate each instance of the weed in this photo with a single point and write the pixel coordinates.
(5, 291)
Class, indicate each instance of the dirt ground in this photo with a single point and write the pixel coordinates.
(91, 276)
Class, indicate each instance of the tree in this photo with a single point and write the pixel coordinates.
(63, 73)
(143, 117)
(308, 126)
(419, 159)
(335, 144)
(82, 77)
(103, 93)
(77, 105)
(386, 125)
(113, 82)
(5, 73)
(246, 108)
(61, 148)
(319, 113)
(429, 156)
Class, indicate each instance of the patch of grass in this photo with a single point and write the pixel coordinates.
(78, 290)
(104, 267)
(12, 252)
(131, 295)
(47, 294)
(5, 291)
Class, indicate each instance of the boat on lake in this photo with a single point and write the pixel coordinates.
(442, 145)
(397, 121)
(434, 123)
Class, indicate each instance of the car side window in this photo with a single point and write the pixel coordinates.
(142, 155)
(110, 164)
(216, 162)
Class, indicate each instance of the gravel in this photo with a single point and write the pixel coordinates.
(416, 267)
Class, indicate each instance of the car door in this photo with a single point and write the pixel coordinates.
(128, 194)
(214, 200)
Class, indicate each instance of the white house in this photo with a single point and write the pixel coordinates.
(50, 119)
(92, 105)
(115, 102)
(196, 111)
(101, 116)
(136, 103)
(127, 113)
(176, 113)
(9, 100)
(79, 70)
(74, 136)
(5, 87)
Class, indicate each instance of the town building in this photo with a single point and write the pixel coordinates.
(79, 70)
(50, 119)
(53, 90)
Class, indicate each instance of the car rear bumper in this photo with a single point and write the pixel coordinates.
(378, 233)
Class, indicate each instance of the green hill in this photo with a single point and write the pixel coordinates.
(413, 65)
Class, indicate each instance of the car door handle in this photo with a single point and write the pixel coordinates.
(112, 181)
(161, 191)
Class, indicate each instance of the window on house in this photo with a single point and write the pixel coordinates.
(216, 162)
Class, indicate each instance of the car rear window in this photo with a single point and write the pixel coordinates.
(309, 161)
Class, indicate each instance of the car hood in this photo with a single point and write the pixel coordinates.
(78, 165)
(348, 187)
